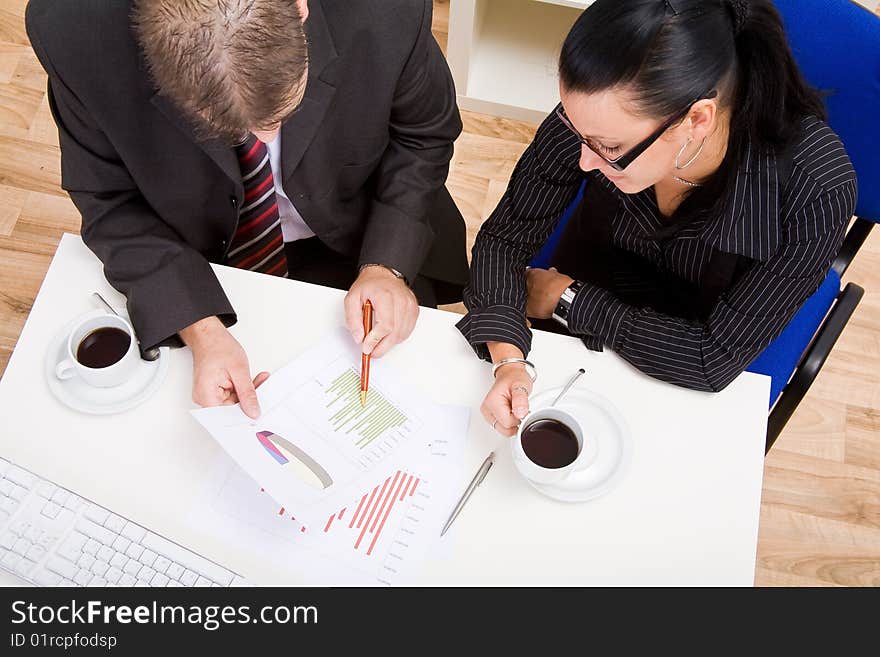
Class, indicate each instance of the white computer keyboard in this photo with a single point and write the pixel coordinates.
(52, 537)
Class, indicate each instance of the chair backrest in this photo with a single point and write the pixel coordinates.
(836, 44)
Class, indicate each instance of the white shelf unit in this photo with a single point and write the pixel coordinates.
(503, 54)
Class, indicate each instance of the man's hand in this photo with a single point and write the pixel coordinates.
(545, 287)
(221, 374)
(395, 310)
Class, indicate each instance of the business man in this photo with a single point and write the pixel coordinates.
(310, 140)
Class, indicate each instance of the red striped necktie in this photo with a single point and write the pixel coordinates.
(257, 244)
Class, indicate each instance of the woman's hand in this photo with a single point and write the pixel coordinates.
(507, 402)
(545, 286)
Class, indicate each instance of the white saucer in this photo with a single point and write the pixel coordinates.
(81, 396)
(601, 422)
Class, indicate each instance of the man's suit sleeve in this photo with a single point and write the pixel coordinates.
(424, 124)
(168, 284)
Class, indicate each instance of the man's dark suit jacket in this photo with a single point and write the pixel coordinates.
(365, 157)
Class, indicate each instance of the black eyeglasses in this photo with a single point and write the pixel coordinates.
(623, 161)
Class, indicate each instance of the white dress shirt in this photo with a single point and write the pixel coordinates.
(293, 227)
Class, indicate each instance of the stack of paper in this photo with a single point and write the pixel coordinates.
(317, 475)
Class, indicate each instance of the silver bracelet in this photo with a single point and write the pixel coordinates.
(530, 368)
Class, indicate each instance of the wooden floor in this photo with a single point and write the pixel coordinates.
(820, 516)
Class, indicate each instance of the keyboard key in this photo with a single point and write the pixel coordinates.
(8, 504)
(60, 496)
(10, 559)
(99, 568)
(159, 580)
(120, 544)
(69, 552)
(18, 493)
(65, 518)
(134, 532)
(51, 510)
(98, 581)
(113, 574)
(21, 546)
(8, 540)
(45, 489)
(32, 534)
(188, 558)
(148, 558)
(96, 513)
(188, 578)
(73, 502)
(174, 583)
(75, 541)
(134, 551)
(36, 553)
(126, 580)
(47, 540)
(142, 583)
(83, 577)
(91, 547)
(105, 554)
(24, 566)
(100, 534)
(86, 561)
(161, 564)
(21, 477)
(6, 487)
(118, 560)
(62, 567)
(146, 573)
(4, 466)
(19, 527)
(46, 578)
(114, 523)
(174, 571)
(202, 581)
(132, 567)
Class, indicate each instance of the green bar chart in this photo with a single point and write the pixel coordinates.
(347, 415)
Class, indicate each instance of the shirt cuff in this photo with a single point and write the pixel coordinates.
(495, 324)
(595, 310)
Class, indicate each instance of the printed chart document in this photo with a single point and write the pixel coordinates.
(359, 493)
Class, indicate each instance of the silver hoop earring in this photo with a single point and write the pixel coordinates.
(693, 159)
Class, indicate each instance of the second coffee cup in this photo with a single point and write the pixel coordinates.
(549, 445)
(101, 350)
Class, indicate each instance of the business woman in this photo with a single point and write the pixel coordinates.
(715, 200)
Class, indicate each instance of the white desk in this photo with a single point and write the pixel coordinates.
(686, 514)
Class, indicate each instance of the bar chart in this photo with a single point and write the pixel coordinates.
(372, 512)
(366, 422)
(329, 404)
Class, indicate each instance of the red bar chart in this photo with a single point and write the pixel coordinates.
(374, 511)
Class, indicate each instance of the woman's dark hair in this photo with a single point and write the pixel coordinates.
(670, 52)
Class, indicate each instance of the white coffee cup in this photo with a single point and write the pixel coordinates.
(101, 377)
(587, 449)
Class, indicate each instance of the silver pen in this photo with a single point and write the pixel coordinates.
(476, 481)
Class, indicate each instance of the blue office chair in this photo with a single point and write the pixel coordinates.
(837, 46)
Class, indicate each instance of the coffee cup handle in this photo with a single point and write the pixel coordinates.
(65, 370)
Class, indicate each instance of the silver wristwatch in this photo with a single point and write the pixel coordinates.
(563, 308)
(391, 269)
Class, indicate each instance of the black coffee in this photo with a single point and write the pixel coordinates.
(103, 347)
(549, 443)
